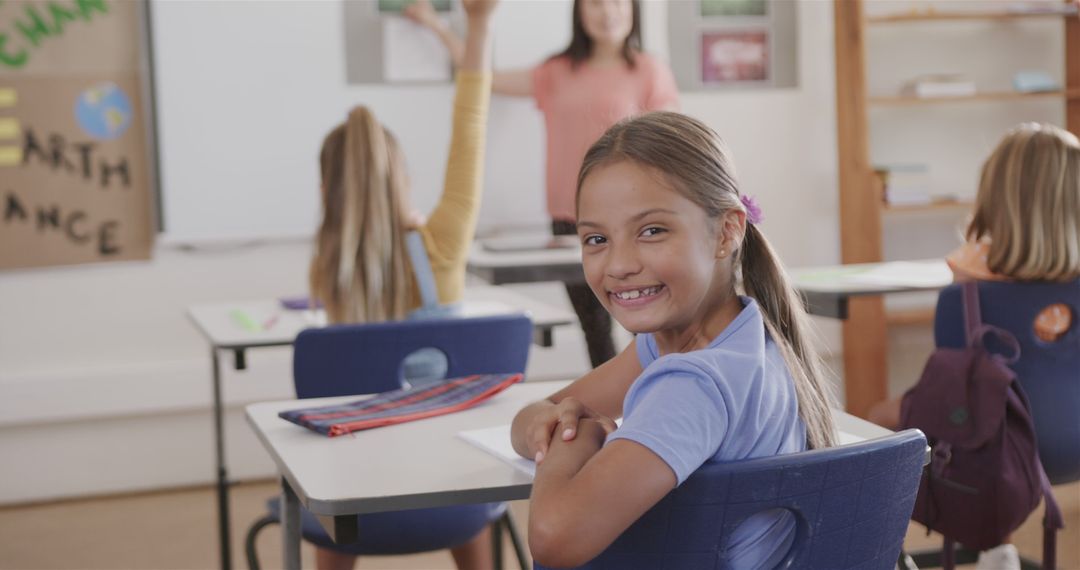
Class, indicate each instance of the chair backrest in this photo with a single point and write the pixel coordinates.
(1048, 372)
(344, 360)
(851, 506)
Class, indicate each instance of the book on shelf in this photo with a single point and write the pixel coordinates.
(940, 85)
(1034, 81)
(1056, 7)
(909, 185)
(905, 184)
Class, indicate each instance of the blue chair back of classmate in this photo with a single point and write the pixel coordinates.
(851, 506)
(346, 360)
(1049, 372)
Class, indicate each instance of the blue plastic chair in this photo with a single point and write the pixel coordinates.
(851, 506)
(368, 359)
(1048, 372)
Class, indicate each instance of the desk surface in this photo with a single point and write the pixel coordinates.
(416, 464)
(873, 278)
(851, 279)
(216, 322)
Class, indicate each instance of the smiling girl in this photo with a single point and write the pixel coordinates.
(713, 375)
(600, 78)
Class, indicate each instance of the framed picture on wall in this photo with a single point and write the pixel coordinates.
(719, 45)
(397, 6)
(734, 7)
(734, 56)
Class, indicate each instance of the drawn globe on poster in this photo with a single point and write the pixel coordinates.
(103, 111)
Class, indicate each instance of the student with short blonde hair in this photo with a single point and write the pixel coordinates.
(1026, 223)
(1025, 227)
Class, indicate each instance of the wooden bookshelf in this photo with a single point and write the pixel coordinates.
(943, 16)
(908, 317)
(896, 100)
(943, 206)
(865, 342)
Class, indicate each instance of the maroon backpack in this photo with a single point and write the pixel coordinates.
(984, 477)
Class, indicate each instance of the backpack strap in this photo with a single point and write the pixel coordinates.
(975, 331)
(972, 316)
(1052, 520)
(421, 265)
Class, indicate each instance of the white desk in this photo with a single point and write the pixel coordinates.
(413, 465)
(826, 289)
(222, 331)
(527, 266)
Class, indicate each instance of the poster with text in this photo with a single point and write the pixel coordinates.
(74, 156)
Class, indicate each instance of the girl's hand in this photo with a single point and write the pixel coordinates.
(422, 12)
(564, 416)
(594, 429)
(477, 8)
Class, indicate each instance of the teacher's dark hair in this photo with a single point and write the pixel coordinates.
(581, 45)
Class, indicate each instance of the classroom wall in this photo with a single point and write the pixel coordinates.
(105, 386)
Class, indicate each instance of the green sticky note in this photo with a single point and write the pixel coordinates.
(244, 320)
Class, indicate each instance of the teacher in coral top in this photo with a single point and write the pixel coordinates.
(601, 78)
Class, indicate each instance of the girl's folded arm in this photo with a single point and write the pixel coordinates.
(601, 390)
(583, 499)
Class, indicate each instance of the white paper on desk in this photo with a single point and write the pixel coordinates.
(496, 441)
(905, 274)
(412, 52)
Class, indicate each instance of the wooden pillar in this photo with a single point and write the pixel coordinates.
(865, 342)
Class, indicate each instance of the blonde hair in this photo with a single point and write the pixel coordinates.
(695, 160)
(360, 270)
(1028, 205)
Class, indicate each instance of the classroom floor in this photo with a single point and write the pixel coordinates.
(176, 529)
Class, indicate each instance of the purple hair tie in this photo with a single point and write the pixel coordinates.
(753, 210)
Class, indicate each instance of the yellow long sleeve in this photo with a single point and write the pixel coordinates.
(449, 231)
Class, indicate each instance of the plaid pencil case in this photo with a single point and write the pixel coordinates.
(400, 406)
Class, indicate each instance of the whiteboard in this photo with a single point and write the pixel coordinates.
(246, 91)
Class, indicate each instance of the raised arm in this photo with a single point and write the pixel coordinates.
(476, 55)
(514, 83)
(451, 224)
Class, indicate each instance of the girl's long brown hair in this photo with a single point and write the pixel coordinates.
(696, 162)
(360, 270)
(581, 45)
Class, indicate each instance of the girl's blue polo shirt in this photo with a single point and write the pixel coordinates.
(733, 400)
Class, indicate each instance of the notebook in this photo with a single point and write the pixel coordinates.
(400, 406)
(496, 441)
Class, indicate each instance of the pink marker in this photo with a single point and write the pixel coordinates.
(268, 323)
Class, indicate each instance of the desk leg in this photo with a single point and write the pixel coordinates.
(865, 351)
(544, 337)
(290, 526)
(224, 541)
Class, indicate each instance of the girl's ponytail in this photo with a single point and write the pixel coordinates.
(787, 323)
(360, 271)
